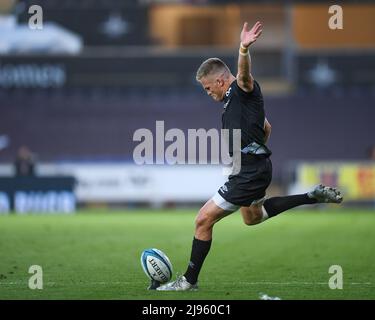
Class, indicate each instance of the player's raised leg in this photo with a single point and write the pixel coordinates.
(208, 215)
(260, 211)
(254, 214)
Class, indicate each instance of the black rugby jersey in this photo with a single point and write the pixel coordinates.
(245, 111)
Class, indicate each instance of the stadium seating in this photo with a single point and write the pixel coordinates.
(96, 124)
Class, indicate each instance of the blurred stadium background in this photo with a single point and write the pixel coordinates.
(73, 94)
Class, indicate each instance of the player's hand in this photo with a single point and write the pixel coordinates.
(250, 36)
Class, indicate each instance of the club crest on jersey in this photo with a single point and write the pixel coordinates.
(228, 92)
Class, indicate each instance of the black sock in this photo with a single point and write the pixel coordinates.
(276, 205)
(199, 252)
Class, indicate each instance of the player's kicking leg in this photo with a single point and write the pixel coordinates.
(262, 210)
(208, 215)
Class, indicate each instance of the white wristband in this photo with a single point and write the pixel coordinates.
(243, 47)
(243, 54)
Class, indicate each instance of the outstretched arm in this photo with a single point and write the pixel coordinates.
(244, 78)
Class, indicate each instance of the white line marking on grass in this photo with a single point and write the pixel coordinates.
(21, 283)
(70, 283)
(292, 283)
(107, 283)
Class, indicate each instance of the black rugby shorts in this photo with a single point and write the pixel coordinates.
(250, 183)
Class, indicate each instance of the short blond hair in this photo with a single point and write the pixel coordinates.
(211, 66)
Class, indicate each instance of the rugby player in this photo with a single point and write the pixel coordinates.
(246, 190)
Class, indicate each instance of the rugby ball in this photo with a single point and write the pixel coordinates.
(156, 265)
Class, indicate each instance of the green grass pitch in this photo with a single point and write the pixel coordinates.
(96, 255)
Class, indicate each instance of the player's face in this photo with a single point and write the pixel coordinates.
(213, 87)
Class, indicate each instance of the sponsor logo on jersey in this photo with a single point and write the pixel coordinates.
(227, 95)
(226, 104)
(224, 188)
